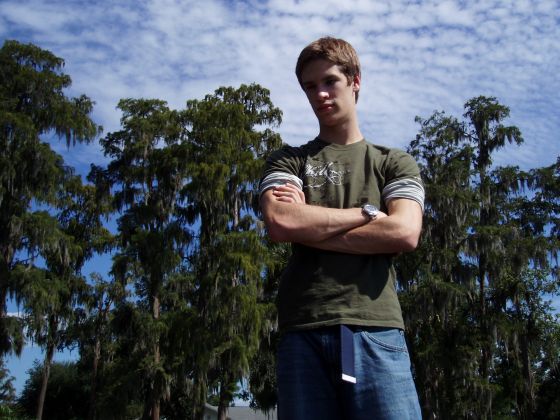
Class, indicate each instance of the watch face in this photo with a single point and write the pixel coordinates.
(370, 210)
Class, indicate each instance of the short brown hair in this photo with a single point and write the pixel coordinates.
(335, 50)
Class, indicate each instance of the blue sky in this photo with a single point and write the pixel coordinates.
(417, 57)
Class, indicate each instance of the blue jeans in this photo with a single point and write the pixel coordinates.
(309, 376)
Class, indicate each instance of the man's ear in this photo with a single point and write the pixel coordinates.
(356, 82)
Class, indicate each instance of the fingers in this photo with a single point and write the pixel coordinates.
(380, 215)
(289, 193)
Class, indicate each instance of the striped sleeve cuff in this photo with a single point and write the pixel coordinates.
(275, 179)
(410, 188)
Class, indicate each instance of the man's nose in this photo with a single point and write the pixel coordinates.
(322, 93)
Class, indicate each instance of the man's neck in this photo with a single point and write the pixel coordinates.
(343, 134)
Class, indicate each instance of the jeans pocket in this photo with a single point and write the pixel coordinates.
(391, 339)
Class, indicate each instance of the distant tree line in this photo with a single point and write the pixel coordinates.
(187, 311)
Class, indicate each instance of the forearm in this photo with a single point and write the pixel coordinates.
(291, 222)
(395, 233)
(384, 236)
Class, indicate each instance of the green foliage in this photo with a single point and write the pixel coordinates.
(143, 181)
(478, 280)
(32, 104)
(262, 377)
(230, 138)
(548, 405)
(7, 390)
(66, 395)
(195, 302)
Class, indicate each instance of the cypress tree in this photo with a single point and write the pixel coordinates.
(148, 169)
(32, 104)
(476, 283)
(230, 134)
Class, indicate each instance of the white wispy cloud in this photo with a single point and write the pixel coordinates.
(417, 57)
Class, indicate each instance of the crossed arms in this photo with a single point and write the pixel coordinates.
(289, 219)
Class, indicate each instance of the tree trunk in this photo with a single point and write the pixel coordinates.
(3, 293)
(5, 342)
(222, 411)
(45, 380)
(224, 401)
(200, 388)
(155, 409)
(92, 396)
(483, 323)
(528, 404)
(155, 391)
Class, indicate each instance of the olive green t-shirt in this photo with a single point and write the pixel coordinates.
(323, 288)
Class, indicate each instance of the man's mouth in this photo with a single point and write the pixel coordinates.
(324, 107)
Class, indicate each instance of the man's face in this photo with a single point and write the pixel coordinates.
(333, 100)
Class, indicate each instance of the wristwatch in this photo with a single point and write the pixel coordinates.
(370, 210)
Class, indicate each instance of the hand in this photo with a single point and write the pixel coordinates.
(380, 215)
(289, 193)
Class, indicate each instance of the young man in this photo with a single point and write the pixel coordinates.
(347, 206)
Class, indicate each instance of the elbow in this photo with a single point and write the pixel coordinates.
(278, 224)
(410, 244)
(277, 230)
(410, 240)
